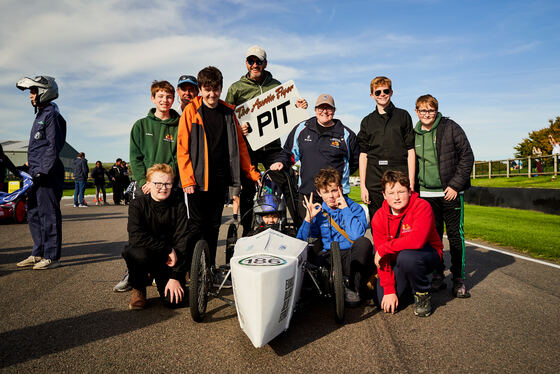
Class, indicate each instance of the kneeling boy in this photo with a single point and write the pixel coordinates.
(157, 231)
(342, 220)
(407, 246)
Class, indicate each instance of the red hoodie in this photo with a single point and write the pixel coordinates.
(418, 228)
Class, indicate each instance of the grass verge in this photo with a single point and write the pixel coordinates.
(518, 182)
(526, 231)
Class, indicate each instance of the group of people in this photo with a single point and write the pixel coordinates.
(411, 177)
(118, 175)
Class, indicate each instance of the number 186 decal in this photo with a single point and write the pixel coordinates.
(262, 260)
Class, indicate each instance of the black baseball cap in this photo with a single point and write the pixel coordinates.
(187, 79)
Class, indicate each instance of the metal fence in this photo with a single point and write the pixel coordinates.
(525, 166)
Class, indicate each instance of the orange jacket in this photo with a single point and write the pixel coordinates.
(192, 147)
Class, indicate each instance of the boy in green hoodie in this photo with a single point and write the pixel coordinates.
(153, 140)
(444, 163)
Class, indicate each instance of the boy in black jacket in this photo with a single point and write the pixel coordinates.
(445, 160)
(157, 228)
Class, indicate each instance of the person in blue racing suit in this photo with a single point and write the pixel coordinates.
(48, 135)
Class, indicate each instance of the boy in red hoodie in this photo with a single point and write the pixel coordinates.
(407, 246)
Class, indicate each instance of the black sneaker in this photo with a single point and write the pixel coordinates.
(422, 304)
(459, 290)
(438, 282)
(351, 298)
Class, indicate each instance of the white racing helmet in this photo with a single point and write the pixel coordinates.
(46, 86)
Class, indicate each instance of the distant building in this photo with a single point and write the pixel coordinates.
(16, 150)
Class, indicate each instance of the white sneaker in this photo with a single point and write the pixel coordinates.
(82, 206)
(45, 264)
(29, 261)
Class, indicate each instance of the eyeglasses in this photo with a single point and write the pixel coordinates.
(160, 185)
(327, 109)
(386, 91)
(427, 111)
(252, 61)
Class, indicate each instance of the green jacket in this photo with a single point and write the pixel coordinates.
(426, 155)
(153, 141)
(246, 89)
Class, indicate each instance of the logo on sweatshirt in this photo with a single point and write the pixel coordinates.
(149, 134)
(168, 138)
(335, 143)
(406, 228)
(308, 139)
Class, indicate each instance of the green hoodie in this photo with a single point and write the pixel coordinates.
(153, 141)
(426, 154)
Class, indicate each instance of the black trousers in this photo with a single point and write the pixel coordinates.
(205, 217)
(451, 213)
(141, 262)
(117, 192)
(357, 263)
(411, 270)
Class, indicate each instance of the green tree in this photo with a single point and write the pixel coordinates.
(539, 139)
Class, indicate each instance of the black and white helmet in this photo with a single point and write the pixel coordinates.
(46, 86)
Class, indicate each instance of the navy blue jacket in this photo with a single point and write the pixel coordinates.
(80, 169)
(336, 147)
(47, 138)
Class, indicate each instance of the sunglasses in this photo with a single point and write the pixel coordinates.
(252, 61)
(386, 91)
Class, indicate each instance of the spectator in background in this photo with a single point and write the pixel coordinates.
(125, 181)
(555, 145)
(187, 89)
(81, 170)
(537, 153)
(98, 175)
(115, 175)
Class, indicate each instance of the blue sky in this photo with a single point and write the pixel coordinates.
(493, 65)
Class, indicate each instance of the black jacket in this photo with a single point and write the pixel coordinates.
(455, 156)
(159, 226)
(316, 150)
(98, 175)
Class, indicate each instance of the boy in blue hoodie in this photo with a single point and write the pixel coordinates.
(342, 220)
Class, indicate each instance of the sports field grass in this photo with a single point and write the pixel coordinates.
(526, 231)
(518, 182)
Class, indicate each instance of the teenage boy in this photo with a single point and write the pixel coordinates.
(211, 154)
(187, 89)
(81, 170)
(386, 140)
(407, 246)
(157, 230)
(445, 161)
(47, 138)
(342, 220)
(254, 83)
(153, 140)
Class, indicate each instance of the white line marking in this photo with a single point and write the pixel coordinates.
(514, 255)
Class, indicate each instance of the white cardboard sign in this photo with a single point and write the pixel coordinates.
(271, 115)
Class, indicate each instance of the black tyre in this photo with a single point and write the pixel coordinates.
(200, 281)
(337, 282)
(230, 241)
(20, 212)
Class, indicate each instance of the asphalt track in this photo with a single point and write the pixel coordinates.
(69, 320)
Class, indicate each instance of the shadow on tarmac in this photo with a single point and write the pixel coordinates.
(33, 342)
(478, 266)
(93, 216)
(79, 254)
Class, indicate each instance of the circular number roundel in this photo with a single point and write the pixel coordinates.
(262, 260)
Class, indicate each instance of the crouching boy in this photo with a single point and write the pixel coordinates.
(157, 228)
(342, 220)
(407, 246)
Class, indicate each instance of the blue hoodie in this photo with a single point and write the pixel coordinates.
(351, 219)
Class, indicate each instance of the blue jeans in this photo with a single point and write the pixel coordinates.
(79, 190)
